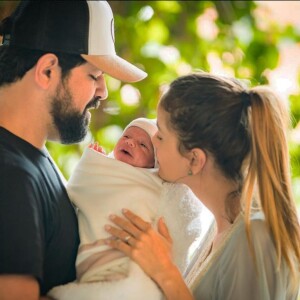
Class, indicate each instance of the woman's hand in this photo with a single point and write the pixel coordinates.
(138, 240)
(149, 249)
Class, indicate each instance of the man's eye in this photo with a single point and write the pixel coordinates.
(93, 77)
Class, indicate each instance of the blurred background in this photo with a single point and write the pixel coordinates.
(257, 41)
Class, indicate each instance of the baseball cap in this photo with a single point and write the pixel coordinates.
(74, 27)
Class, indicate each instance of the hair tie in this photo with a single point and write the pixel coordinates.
(246, 98)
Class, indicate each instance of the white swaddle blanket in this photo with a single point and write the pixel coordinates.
(101, 186)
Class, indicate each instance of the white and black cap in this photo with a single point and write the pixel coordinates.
(74, 27)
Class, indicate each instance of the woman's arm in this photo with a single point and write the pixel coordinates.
(151, 250)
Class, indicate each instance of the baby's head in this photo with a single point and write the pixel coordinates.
(135, 146)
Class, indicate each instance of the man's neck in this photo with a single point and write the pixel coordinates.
(21, 115)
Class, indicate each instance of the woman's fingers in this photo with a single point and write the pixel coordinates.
(128, 231)
(137, 239)
(120, 245)
(124, 228)
(134, 225)
(136, 220)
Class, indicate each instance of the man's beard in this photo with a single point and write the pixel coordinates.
(72, 125)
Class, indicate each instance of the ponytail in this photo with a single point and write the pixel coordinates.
(269, 168)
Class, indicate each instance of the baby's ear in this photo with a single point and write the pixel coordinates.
(197, 160)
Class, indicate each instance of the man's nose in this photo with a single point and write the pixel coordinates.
(101, 89)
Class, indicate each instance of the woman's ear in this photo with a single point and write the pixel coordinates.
(45, 70)
(197, 160)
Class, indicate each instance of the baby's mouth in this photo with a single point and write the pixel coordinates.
(126, 152)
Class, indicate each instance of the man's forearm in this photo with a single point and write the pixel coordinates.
(16, 287)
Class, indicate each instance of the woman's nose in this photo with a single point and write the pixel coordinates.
(154, 139)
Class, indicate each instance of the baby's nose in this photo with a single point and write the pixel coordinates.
(131, 142)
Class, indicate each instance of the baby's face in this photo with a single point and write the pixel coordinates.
(135, 148)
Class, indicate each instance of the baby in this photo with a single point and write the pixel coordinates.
(135, 146)
(102, 185)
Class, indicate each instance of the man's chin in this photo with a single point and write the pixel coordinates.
(70, 137)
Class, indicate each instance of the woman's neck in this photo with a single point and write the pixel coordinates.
(217, 193)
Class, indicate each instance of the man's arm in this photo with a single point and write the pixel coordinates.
(16, 287)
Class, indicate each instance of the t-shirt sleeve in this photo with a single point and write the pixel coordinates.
(21, 225)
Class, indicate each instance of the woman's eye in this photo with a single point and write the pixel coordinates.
(158, 137)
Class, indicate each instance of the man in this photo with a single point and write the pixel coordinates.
(52, 61)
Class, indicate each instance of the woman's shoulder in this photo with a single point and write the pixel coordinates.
(258, 230)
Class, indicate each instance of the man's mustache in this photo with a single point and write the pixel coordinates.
(94, 103)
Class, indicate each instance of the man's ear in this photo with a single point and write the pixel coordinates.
(46, 70)
(197, 159)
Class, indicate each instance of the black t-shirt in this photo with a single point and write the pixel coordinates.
(38, 224)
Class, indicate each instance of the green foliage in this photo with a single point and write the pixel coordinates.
(171, 38)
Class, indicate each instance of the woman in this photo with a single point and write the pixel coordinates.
(228, 144)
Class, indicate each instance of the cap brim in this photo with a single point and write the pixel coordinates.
(116, 67)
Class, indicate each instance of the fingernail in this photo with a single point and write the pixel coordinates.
(107, 227)
(124, 210)
(112, 217)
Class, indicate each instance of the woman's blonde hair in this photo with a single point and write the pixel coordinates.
(269, 168)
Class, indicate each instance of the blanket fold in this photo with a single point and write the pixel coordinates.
(99, 186)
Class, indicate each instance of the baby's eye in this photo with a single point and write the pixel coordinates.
(143, 145)
(125, 136)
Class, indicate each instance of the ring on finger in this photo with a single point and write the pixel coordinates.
(127, 238)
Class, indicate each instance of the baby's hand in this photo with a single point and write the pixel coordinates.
(95, 146)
